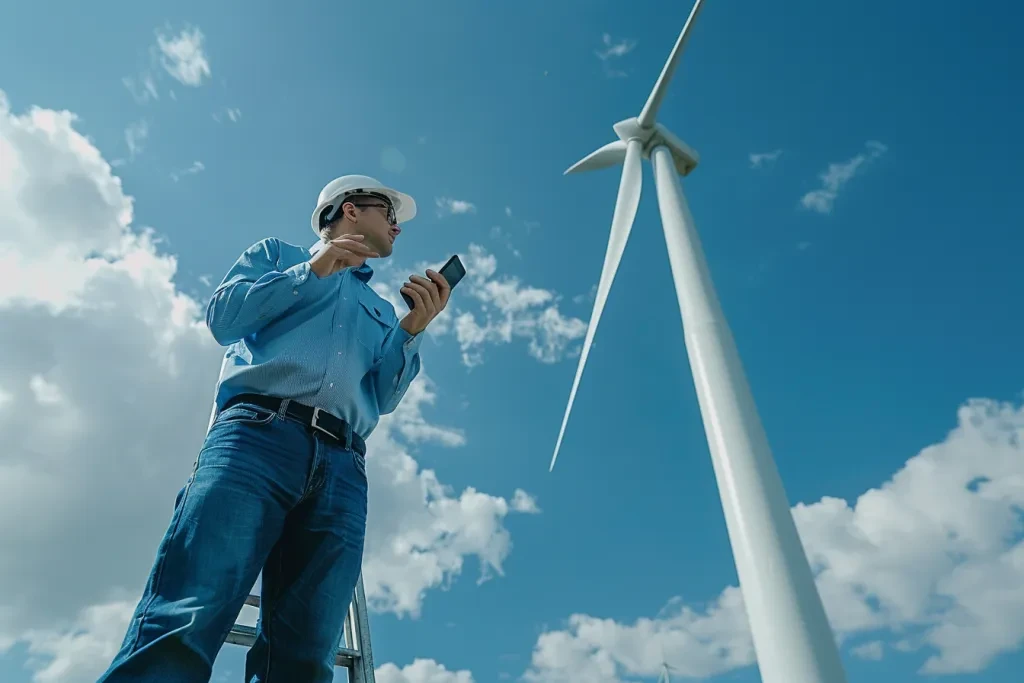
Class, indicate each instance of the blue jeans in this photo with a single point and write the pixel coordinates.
(264, 494)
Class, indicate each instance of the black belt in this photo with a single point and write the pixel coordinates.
(314, 418)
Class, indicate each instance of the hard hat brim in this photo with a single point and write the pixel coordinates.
(405, 206)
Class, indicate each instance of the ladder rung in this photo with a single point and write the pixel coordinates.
(246, 636)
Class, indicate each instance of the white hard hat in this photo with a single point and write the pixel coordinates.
(330, 199)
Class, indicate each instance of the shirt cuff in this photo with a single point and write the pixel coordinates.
(299, 273)
(410, 343)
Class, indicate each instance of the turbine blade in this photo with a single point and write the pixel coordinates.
(610, 154)
(626, 204)
(650, 110)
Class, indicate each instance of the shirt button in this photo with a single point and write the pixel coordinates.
(295, 292)
(339, 353)
(332, 385)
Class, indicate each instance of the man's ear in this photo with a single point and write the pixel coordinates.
(349, 210)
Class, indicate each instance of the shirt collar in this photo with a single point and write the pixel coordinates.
(363, 272)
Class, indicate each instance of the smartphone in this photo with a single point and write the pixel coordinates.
(452, 271)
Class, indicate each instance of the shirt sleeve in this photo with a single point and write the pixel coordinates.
(398, 367)
(254, 292)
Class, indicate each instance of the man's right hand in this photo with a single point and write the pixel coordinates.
(341, 252)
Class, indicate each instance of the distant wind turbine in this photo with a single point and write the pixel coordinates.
(791, 634)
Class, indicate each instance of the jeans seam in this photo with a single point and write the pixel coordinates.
(310, 486)
(271, 612)
(159, 574)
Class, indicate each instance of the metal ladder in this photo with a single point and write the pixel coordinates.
(354, 652)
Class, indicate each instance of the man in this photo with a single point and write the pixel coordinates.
(314, 358)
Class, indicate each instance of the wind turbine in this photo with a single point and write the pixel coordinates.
(791, 634)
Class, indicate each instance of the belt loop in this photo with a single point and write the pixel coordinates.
(282, 409)
(348, 436)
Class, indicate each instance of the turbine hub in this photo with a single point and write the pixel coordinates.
(685, 157)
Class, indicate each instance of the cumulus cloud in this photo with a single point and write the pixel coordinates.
(492, 309)
(524, 502)
(510, 309)
(930, 562)
(421, 671)
(837, 175)
(106, 378)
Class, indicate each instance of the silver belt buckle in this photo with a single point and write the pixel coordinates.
(315, 423)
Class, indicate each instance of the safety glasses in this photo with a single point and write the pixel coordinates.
(354, 197)
(392, 218)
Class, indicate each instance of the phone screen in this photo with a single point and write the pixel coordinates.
(453, 271)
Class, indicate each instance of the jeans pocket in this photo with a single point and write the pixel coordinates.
(244, 413)
(359, 462)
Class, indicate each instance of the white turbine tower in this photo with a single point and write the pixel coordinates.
(791, 634)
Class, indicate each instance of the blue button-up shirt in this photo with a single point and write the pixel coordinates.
(333, 343)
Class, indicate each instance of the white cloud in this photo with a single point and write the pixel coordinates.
(81, 650)
(196, 167)
(447, 205)
(612, 50)
(183, 57)
(758, 160)
(837, 175)
(588, 297)
(108, 373)
(414, 428)
(421, 671)
(488, 309)
(45, 392)
(508, 309)
(143, 89)
(524, 502)
(232, 114)
(931, 562)
(872, 651)
(134, 136)
(85, 647)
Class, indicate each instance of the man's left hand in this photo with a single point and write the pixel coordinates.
(429, 296)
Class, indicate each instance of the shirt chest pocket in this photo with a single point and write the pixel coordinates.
(372, 325)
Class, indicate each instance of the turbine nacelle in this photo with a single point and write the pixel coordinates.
(684, 156)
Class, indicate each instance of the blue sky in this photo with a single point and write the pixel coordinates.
(867, 322)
